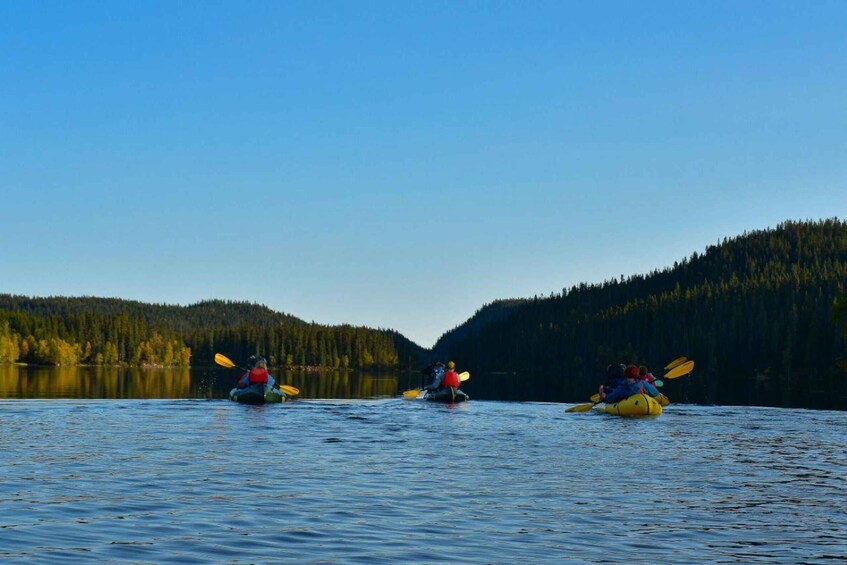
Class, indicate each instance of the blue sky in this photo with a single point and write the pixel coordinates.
(399, 164)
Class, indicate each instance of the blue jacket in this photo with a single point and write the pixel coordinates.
(613, 383)
(436, 377)
(626, 390)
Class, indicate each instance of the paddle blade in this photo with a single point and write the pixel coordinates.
(680, 371)
(581, 407)
(675, 363)
(411, 394)
(224, 361)
(464, 376)
(595, 397)
(658, 384)
(289, 390)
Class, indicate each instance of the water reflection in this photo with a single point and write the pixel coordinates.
(94, 382)
(18, 381)
(342, 384)
(530, 387)
(122, 382)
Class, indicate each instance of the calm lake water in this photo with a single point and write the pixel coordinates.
(187, 480)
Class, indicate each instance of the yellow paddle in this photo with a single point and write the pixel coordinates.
(595, 399)
(676, 362)
(582, 407)
(413, 393)
(680, 370)
(289, 390)
(225, 361)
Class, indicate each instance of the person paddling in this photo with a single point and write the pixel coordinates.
(645, 375)
(451, 377)
(443, 386)
(631, 385)
(257, 375)
(614, 378)
(432, 377)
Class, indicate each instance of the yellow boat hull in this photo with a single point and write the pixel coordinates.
(635, 405)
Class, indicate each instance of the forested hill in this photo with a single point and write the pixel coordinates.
(203, 315)
(497, 311)
(754, 311)
(68, 331)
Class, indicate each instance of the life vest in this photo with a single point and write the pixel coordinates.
(257, 376)
(451, 379)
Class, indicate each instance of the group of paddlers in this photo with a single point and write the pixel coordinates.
(622, 381)
(438, 376)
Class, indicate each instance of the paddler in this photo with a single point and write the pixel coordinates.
(614, 378)
(451, 377)
(435, 375)
(645, 375)
(257, 375)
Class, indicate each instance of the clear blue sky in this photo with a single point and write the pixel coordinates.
(399, 164)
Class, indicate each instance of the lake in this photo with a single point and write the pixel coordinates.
(135, 467)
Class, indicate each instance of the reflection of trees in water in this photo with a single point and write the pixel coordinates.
(205, 385)
(533, 387)
(341, 384)
(122, 382)
(93, 382)
(158, 383)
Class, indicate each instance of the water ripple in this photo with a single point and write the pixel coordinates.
(387, 481)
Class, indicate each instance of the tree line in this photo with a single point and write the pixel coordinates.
(97, 331)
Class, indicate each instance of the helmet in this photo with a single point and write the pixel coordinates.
(451, 365)
(631, 372)
(261, 363)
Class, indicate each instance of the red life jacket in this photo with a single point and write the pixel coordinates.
(451, 379)
(257, 376)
